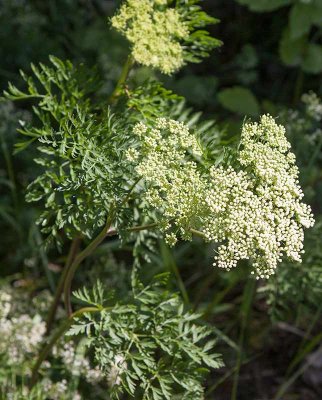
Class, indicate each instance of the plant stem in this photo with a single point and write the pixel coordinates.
(80, 257)
(245, 311)
(10, 172)
(60, 332)
(169, 263)
(286, 385)
(44, 259)
(306, 345)
(113, 232)
(107, 231)
(197, 233)
(123, 77)
(70, 272)
(53, 308)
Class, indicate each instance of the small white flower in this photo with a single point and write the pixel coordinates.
(155, 33)
(117, 368)
(255, 213)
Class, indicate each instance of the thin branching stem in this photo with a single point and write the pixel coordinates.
(81, 257)
(59, 290)
(88, 251)
(10, 172)
(197, 233)
(138, 228)
(121, 82)
(248, 297)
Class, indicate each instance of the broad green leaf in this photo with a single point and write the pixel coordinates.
(292, 50)
(301, 20)
(312, 61)
(264, 5)
(317, 14)
(239, 100)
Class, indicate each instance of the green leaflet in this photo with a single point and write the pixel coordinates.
(148, 346)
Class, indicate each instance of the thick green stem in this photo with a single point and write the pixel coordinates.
(81, 257)
(60, 332)
(53, 308)
(123, 77)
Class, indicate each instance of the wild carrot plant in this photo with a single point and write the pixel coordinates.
(137, 165)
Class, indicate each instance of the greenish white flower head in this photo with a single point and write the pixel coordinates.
(160, 34)
(173, 182)
(313, 105)
(257, 212)
(254, 212)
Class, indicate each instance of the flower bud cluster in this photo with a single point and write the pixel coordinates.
(254, 213)
(21, 335)
(173, 182)
(154, 32)
(75, 361)
(313, 105)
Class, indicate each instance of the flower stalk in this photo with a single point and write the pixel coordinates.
(53, 308)
(80, 258)
(122, 79)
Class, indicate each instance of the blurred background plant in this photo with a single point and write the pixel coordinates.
(269, 332)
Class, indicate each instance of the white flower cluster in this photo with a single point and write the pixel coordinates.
(75, 361)
(255, 213)
(20, 335)
(58, 390)
(313, 105)
(116, 370)
(258, 212)
(154, 33)
(174, 184)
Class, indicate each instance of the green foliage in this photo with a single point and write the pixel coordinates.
(83, 174)
(174, 32)
(291, 49)
(313, 59)
(298, 286)
(79, 136)
(199, 43)
(296, 49)
(20, 392)
(86, 173)
(149, 346)
(152, 99)
(264, 5)
(239, 100)
(303, 16)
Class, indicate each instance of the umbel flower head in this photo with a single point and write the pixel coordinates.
(254, 212)
(173, 184)
(162, 35)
